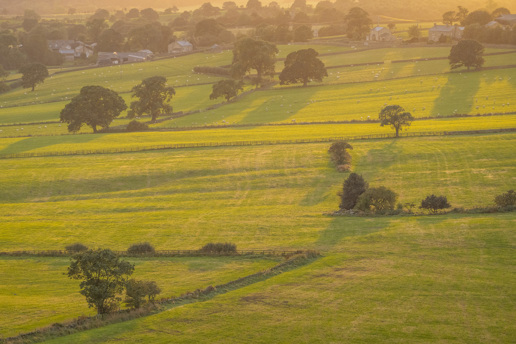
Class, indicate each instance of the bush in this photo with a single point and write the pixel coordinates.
(134, 125)
(4, 87)
(339, 153)
(353, 187)
(378, 200)
(141, 248)
(506, 199)
(219, 247)
(136, 291)
(76, 248)
(211, 70)
(435, 203)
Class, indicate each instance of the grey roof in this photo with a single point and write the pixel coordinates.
(184, 43)
(379, 28)
(441, 28)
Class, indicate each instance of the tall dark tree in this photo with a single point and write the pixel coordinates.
(302, 66)
(249, 53)
(95, 27)
(449, 17)
(353, 187)
(103, 277)
(302, 33)
(467, 53)
(110, 40)
(93, 106)
(228, 89)
(33, 74)
(154, 96)
(462, 13)
(358, 23)
(396, 117)
(149, 14)
(477, 17)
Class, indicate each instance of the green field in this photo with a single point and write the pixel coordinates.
(389, 279)
(47, 295)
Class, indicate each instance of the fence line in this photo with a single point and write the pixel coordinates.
(246, 143)
(160, 253)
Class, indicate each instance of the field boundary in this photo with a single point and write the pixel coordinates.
(159, 253)
(248, 143)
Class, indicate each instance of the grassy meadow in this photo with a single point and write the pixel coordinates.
(390, 279)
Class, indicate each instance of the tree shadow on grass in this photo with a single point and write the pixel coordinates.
(460, 88)
(376, 160)
(37, 142)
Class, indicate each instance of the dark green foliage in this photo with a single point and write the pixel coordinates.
(378, 200)
(33, 74)
(211, 70)
(466, 53)
(259, 55)
(134, 125)
(77, 247)
(154, 95)
(141, 248)
(358, 23)
(136, 291)
(4, 87)
(480, 17)
(339, 154)
(103, 277)
(302, 66)
(396, 117)
(353, 187)
(226, 88)
(302, 34)
(506, 199)
(219, 248)
(435, 203)
(93, 106)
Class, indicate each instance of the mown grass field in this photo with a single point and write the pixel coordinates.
(36, 292)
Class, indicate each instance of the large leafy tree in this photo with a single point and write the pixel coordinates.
(396, 117)
(154, 95)
(228, 89)
(249, 53)
(302, 66)
(466, 53)
(93, 106)
(358, 23)
(33, 74)
(103, 277)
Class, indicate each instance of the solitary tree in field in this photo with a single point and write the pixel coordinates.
(154, 96)
(259, 55)
(466, 53)
(103, 277)
(228, 89)
(396, 117)
(93, 106)
(33, 74)
(302, 66)
(435, 203)
(377, 199)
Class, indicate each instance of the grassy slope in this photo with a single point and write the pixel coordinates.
(46, 295)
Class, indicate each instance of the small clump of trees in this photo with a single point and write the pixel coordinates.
(340, 156)
(228, 89)
(141, 248)
(435, 203)
(153, 98)
(77, 247)
(467, 53)
(302, 66)
(104, 277)
(219, 248)
(505, 200)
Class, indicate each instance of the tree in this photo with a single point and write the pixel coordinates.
(353, 187)
(377, 199)
(462, 13)
(499, 12)
(302, 66)
(226, 88)
(95, 27)
(110, 40)
(466, 53)
(33, 74)
(358, 23)
(477, 17)
(249, 53)
(154, 95)
(435, 203)
(396, 117)
(414, 32)
(149, 14)
(93, 106)
(303, 33)
(136, 291)
(339, 152)
(506, 199)
(449, 17)
(103, 276)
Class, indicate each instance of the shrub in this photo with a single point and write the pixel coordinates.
(134, 125)
(136, 291)
(219, 247)
(141, 248)
(378, 200)
(435, 203)
(211, 70)
(339, 154)
(506, 199)
(353, 187)
(4, 87)
(76, 248)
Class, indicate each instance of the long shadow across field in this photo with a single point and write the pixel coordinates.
(460, 88)
(31, 143)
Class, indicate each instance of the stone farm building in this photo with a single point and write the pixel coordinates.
(381, 34)
(71, 49)
(180, 47)
(117, 58)
(454, 32)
